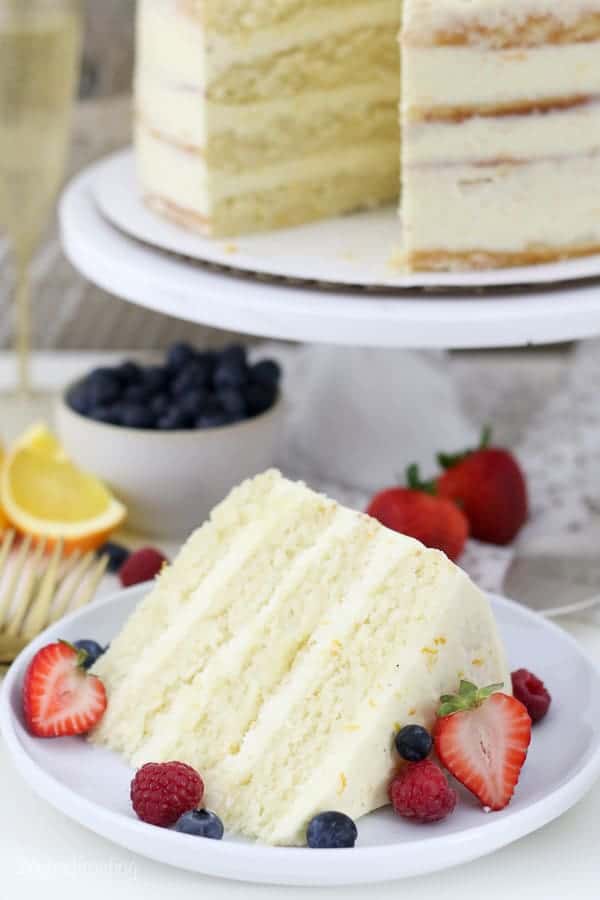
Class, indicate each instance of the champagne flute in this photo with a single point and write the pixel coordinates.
(39, 56)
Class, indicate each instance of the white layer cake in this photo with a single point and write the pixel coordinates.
(256, 114)
(284, 648)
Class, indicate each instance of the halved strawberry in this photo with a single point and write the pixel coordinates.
(482, 736)
(59, 697)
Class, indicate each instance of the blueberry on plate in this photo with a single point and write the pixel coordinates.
(93, 650)
(179, 355)
(331, 830)
(137, 416)
(260, 398)
(230, 374)
(267, 372)
(413, 743)
(200, 823)
(117, 555)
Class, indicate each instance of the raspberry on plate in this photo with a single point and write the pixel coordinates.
(420, 791)
(143, 565)
(532, 693)
(162, 792)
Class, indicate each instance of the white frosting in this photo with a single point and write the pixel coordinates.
(464, 76)
(182, 177)
(566, 133)
(484, 207)
(425, 15)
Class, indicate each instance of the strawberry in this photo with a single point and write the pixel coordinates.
(482, 736)
(59, 697)
(412, 510)
(489, 486)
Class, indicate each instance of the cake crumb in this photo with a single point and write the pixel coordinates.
(343, 784)
(412, 711)
(476, 661)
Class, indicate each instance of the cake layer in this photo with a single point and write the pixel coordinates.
(238, 17)
(569, 132)
(181, 48)
(301, 202)
(182, 177)
(500, 24)
(504, 213)
(283, 668)
(443, 78)
(220, 131)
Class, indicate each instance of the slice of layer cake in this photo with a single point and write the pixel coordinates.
(259, 115)
(501, 132)
(282, 651)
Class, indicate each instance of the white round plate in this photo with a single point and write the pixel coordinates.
(91, 785)
(225, 298)
(353, 250)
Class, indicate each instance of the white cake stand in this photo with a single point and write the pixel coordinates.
(404, 402)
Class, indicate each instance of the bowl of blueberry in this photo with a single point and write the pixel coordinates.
(172, 439)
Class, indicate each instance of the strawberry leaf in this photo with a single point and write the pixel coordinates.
(469, 696)
(449, 460)
(416, 483)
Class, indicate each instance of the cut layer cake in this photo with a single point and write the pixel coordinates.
(282, 651)
(255, 115)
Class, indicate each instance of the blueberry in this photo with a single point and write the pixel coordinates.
(160, 405)
(260, 398)
(78, 399)
(214, 420)
(137, 416)
(104, 414)
(193, 403)
(179, 355)
(129, 372)
(116, 553)
(136, 393)
(173, 420)
(413, 743)
(155, 379)
(331, 830)
(233, 401)
(234, 353)
(267, 372)
(103, 388)
(200, 823)
(230, 374)
(93, 649)
(192, 377)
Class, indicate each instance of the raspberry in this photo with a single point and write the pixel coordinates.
(162, 792)
(420, 791)
(143, 565)
(532, 693)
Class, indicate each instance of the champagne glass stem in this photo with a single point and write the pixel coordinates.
(23, 323)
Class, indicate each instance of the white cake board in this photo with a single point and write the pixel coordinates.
(406, 409)
(355, 250)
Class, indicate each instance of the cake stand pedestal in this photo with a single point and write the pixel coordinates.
(401, 406)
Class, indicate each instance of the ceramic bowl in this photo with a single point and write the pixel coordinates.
(170, 480)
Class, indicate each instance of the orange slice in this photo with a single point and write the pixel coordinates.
(45, 495)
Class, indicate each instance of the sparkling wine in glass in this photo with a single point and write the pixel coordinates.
(39, 63)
